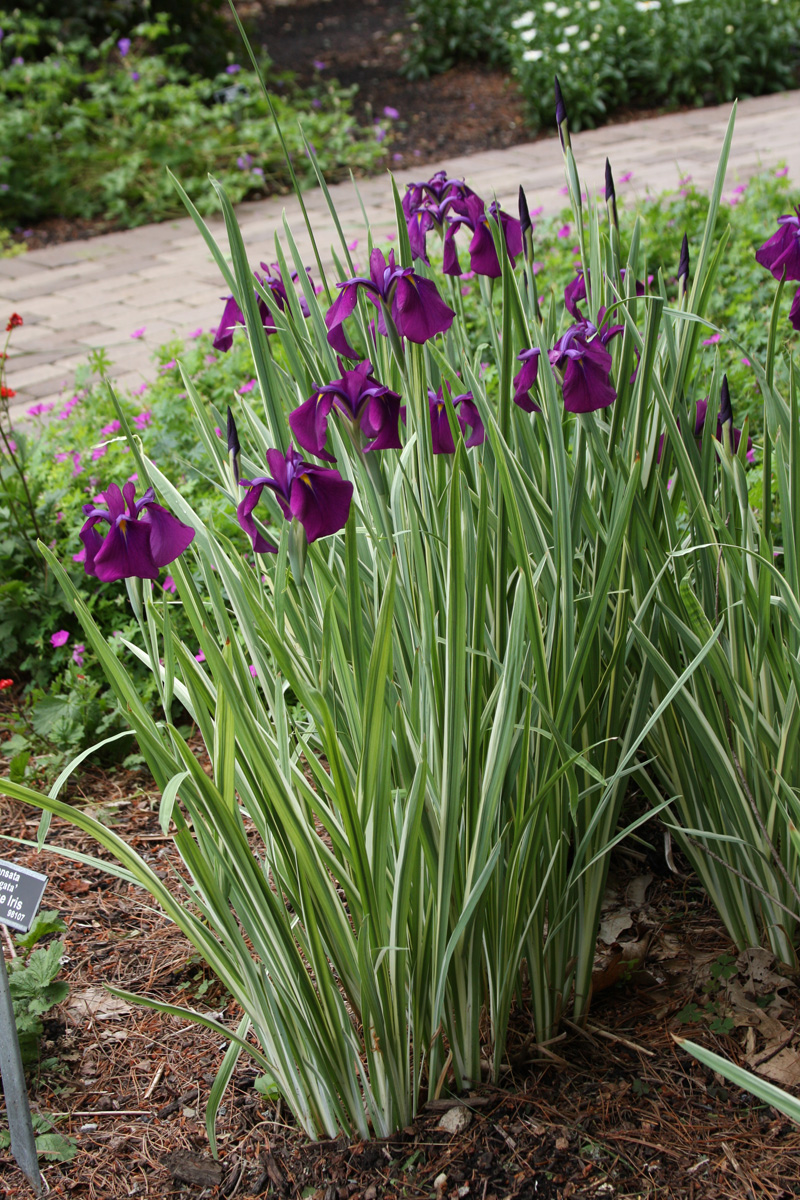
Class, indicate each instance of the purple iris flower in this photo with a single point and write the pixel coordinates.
(434, 191)
(585, 366)
(136, 546)
(526, 378)
(468, 418)
(123, 45)
(362, 399)
(483, 258)
(700, 414)
(232, 315)
(416, 307)
(317, 497)
(782, 251)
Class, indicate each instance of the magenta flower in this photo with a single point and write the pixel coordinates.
(232, 69)
(77, 653)
(136, 545)
(317, 497)
(584, 363)
(525, 379)
(359, 396)
(468, 418)
(416, 307)
(110, 429)
(391, 113)
(781, 252)
(60, 638)
(139, 333)
(169, 584)
(123, 45)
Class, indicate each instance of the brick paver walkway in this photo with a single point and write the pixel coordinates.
(81, 295)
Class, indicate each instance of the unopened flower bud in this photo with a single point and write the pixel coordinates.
(725, 406)
(561, 116)
(683, 264)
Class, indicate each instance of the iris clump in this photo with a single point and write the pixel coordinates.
(232, 315)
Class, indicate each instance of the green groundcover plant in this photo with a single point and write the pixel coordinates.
(88, 131)
(476, 578)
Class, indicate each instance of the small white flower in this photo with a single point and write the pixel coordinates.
(528, 35)
(550, 7)
(524, 21)
(594, 37)
(594, 5)
(681, 1)
(571, 30)
(621, 30)
(563, 11)
(729, 29)
(584, 45)
(562, 48)
(646, 5)
(532, 55)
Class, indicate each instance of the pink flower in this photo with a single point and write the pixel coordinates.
(196, 333)
(253, 670)
(38, 410)
(210, 358)
(217, 431)
(142, 419)
(781, 171)
(247, 387)
(138, 333)
(391, 113)
(133, 478)
(77, 653)
(741, 188)
(98, 452)
(169, 584)
(140, 390)
(747, 362)
(353, 245)
(201, 658)
(712, 341)
(80, 556)
(60, 638)
(112, 427)
(168, 366)
(564, 231)
(626, 178)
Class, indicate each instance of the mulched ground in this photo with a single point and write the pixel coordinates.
(612, 1110)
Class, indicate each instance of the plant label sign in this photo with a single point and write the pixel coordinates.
(21, 894)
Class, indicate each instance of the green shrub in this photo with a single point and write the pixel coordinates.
(196, 26)
(451, 31)
(86, 133)
(641, 53)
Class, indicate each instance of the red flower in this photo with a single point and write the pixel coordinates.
(7, 393)
(14, 320)
(6, 683)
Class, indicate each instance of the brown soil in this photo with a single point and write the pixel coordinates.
(613, 1110)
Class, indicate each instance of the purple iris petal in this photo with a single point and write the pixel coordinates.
(782, 251)
(573, 292)
(441, 433)
(419, 311)
(309, 424)
(271, 281)
(794, 311)
(525, 379)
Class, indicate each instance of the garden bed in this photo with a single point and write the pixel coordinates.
(618, 1110)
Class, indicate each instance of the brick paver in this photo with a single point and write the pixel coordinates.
(95, 293)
